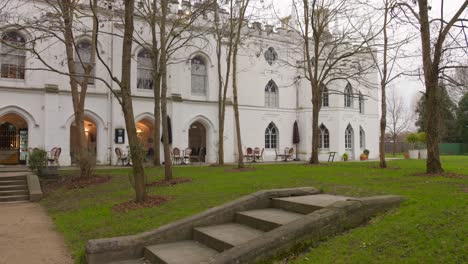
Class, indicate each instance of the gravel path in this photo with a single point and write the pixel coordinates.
(28, 235)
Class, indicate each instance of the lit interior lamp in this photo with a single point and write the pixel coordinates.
(139, 131)
(86, 130)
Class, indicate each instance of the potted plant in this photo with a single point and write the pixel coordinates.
(366, 151)
(412, 139)
(423, 148)
(345, 156)
(38, 163)
(363, 156)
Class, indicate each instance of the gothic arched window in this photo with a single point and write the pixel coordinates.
(361, 103)
(362, 138)
(199, 76)
(271, 55)
(349, 137)
(348, 96)
(324, 137)
(144, 70)
(12, 55)
(325, 96)
(83, 61)
(271, 136)
(271, 95)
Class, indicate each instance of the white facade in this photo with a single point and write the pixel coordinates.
(43, 100)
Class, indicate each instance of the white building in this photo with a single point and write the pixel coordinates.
(36, 107)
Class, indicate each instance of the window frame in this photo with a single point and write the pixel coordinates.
(324, 137)
(348, 96)
(271, 95)
(18, 55)
(141, 67)
(349, 137)
(80, 62)
(361, 103)
(204, 91)
(271, 56)
(271, 136)
(325, 96)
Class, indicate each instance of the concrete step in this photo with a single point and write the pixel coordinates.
(266, 219)
(308, 203)
(13, 187)
(183, 252)
(14, 198)
(226, 236)
(14, 192)
(13, 182)
(12, 176)
(132, 261)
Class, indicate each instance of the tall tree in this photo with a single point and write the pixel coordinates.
(58, 24)
(462, 119)
(388, 46)
(398, 116)
(434, 33)
(241, 7)
(446, 125)
(125, 94)
(327, 55)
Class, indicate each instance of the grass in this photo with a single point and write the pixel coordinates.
(430, 227)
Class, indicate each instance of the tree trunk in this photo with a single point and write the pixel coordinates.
(314, 159)
(127, 105)
(156, 89)
(433, 164)
(383, 126)
(163, 71)
(157, 122)
(431, 77)
(240, 158)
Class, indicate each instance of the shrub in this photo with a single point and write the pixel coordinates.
(345, 156)
(37, 159)
(412, 139)
(366, 151)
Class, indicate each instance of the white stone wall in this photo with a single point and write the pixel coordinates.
(50, 114)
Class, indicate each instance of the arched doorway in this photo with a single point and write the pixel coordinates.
(145, 133)
(91, 138)
(197, 140)
(13, 139)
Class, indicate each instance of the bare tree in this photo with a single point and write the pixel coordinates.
(399, 118)
(59, 24)
(125, 94)
(328, 56)
(388, 47)
(181, 30)
(438, 42)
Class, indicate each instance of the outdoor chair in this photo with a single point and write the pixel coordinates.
(289, 154)
(249, 154)
(176, 156)
(54, 156)
(187, 155)
(121, 157)
(258, 155)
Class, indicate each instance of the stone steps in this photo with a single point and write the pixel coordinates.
(183, 252)
(13, 192)
(308, 203)
(246, 230)
(13, 187)
(14, 198)
(226, 236)
(266, 219)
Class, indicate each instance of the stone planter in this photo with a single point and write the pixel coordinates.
(423, 153)
(50, 172)
(414, 154)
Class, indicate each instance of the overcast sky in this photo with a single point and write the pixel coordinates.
(407, 87)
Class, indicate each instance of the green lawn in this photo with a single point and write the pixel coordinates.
(430, 227)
